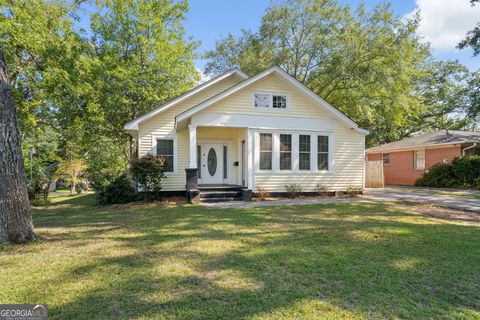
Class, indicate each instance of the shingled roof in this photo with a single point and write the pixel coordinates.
(430, 139)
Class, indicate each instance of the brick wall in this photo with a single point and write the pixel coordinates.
(400, 170)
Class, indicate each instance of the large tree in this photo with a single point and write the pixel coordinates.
(142, 59)
(370, 65)
(15, 217)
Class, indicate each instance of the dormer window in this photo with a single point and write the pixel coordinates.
(266, 100)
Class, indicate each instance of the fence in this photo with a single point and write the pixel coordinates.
(374, 174)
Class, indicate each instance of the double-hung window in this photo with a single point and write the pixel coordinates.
(419, 159)
(285, 152)
(266, 151)
(322, 153)
(304, 152)
(165, 150)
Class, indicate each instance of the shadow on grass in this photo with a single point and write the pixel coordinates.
(364, 260)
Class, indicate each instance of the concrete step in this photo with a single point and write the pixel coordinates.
(220, 194)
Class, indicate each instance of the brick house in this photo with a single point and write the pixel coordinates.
(406, 160)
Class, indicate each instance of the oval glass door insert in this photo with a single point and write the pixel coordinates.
(212, 161)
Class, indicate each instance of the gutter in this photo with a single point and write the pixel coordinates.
(468, 148)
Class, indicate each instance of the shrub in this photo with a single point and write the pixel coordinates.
(148, 173)
(119, 191)
(466, 170)
(440, 175)
(261, 193)
(321, 190)
(293, 190)
(353, 190)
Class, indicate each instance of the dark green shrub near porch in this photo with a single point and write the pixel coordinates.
(148, 172)
(463, 172)
(119, 191)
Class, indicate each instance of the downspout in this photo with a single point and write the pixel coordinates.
(468, 148)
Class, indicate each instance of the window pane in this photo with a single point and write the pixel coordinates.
(165, 147)
(304, 143)
(285, 152)
(280, 102)
(265, 151)
(168, 163)
(322, 161)
(265, 160)
(265, 141)
(262, 100)
(285, 161)
(304, 163)
(322, 143)
(386, 158)
(285, 142)
(419, 159)
(165, 150)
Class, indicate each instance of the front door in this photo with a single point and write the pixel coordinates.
(212, 163)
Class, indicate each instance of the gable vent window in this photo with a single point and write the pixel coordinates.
(279, 102)
(270, 101)
(262, 100)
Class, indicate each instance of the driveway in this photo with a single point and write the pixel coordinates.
(457, 199)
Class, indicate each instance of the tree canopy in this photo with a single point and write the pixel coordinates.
(371, 65)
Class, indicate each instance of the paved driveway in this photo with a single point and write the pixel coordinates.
(457, 199)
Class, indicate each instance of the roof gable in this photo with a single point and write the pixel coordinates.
(285, 76)
(133, 124)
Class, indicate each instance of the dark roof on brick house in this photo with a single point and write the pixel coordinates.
(442, 137)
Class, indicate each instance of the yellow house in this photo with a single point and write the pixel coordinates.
(239, 133)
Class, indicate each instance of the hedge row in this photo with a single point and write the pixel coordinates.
(463, 172)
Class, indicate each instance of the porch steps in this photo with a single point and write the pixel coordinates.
(220, 193)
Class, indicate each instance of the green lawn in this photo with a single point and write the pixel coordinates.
(344, 261)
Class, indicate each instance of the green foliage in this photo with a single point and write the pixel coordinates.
(463, 172)
(293, 190)
(466, 170)
(119, 190)
(106, 162)
(372, 66)
(72, 171)
(148, 172)
(142, 59)
(439, 175)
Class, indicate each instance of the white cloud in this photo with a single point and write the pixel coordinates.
(446, 22)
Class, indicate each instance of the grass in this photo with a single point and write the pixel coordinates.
(472, 194)
(332, 261)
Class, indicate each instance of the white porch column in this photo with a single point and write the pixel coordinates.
(193, 147)
(250, 152)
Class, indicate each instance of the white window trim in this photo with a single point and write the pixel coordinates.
(173, 137)
(295, 151)
(415, 159)
(271, 94)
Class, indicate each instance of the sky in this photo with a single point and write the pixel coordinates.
(444, 22)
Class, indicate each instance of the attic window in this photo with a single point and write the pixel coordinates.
(266, 100)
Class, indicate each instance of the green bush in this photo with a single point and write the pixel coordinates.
(466, 170)
(353, 190)
(463, 172)
(119, 191)
(148, 173)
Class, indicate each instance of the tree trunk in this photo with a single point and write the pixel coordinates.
(16, 224)
(72, 188)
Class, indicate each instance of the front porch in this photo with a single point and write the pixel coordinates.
(218, 163)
